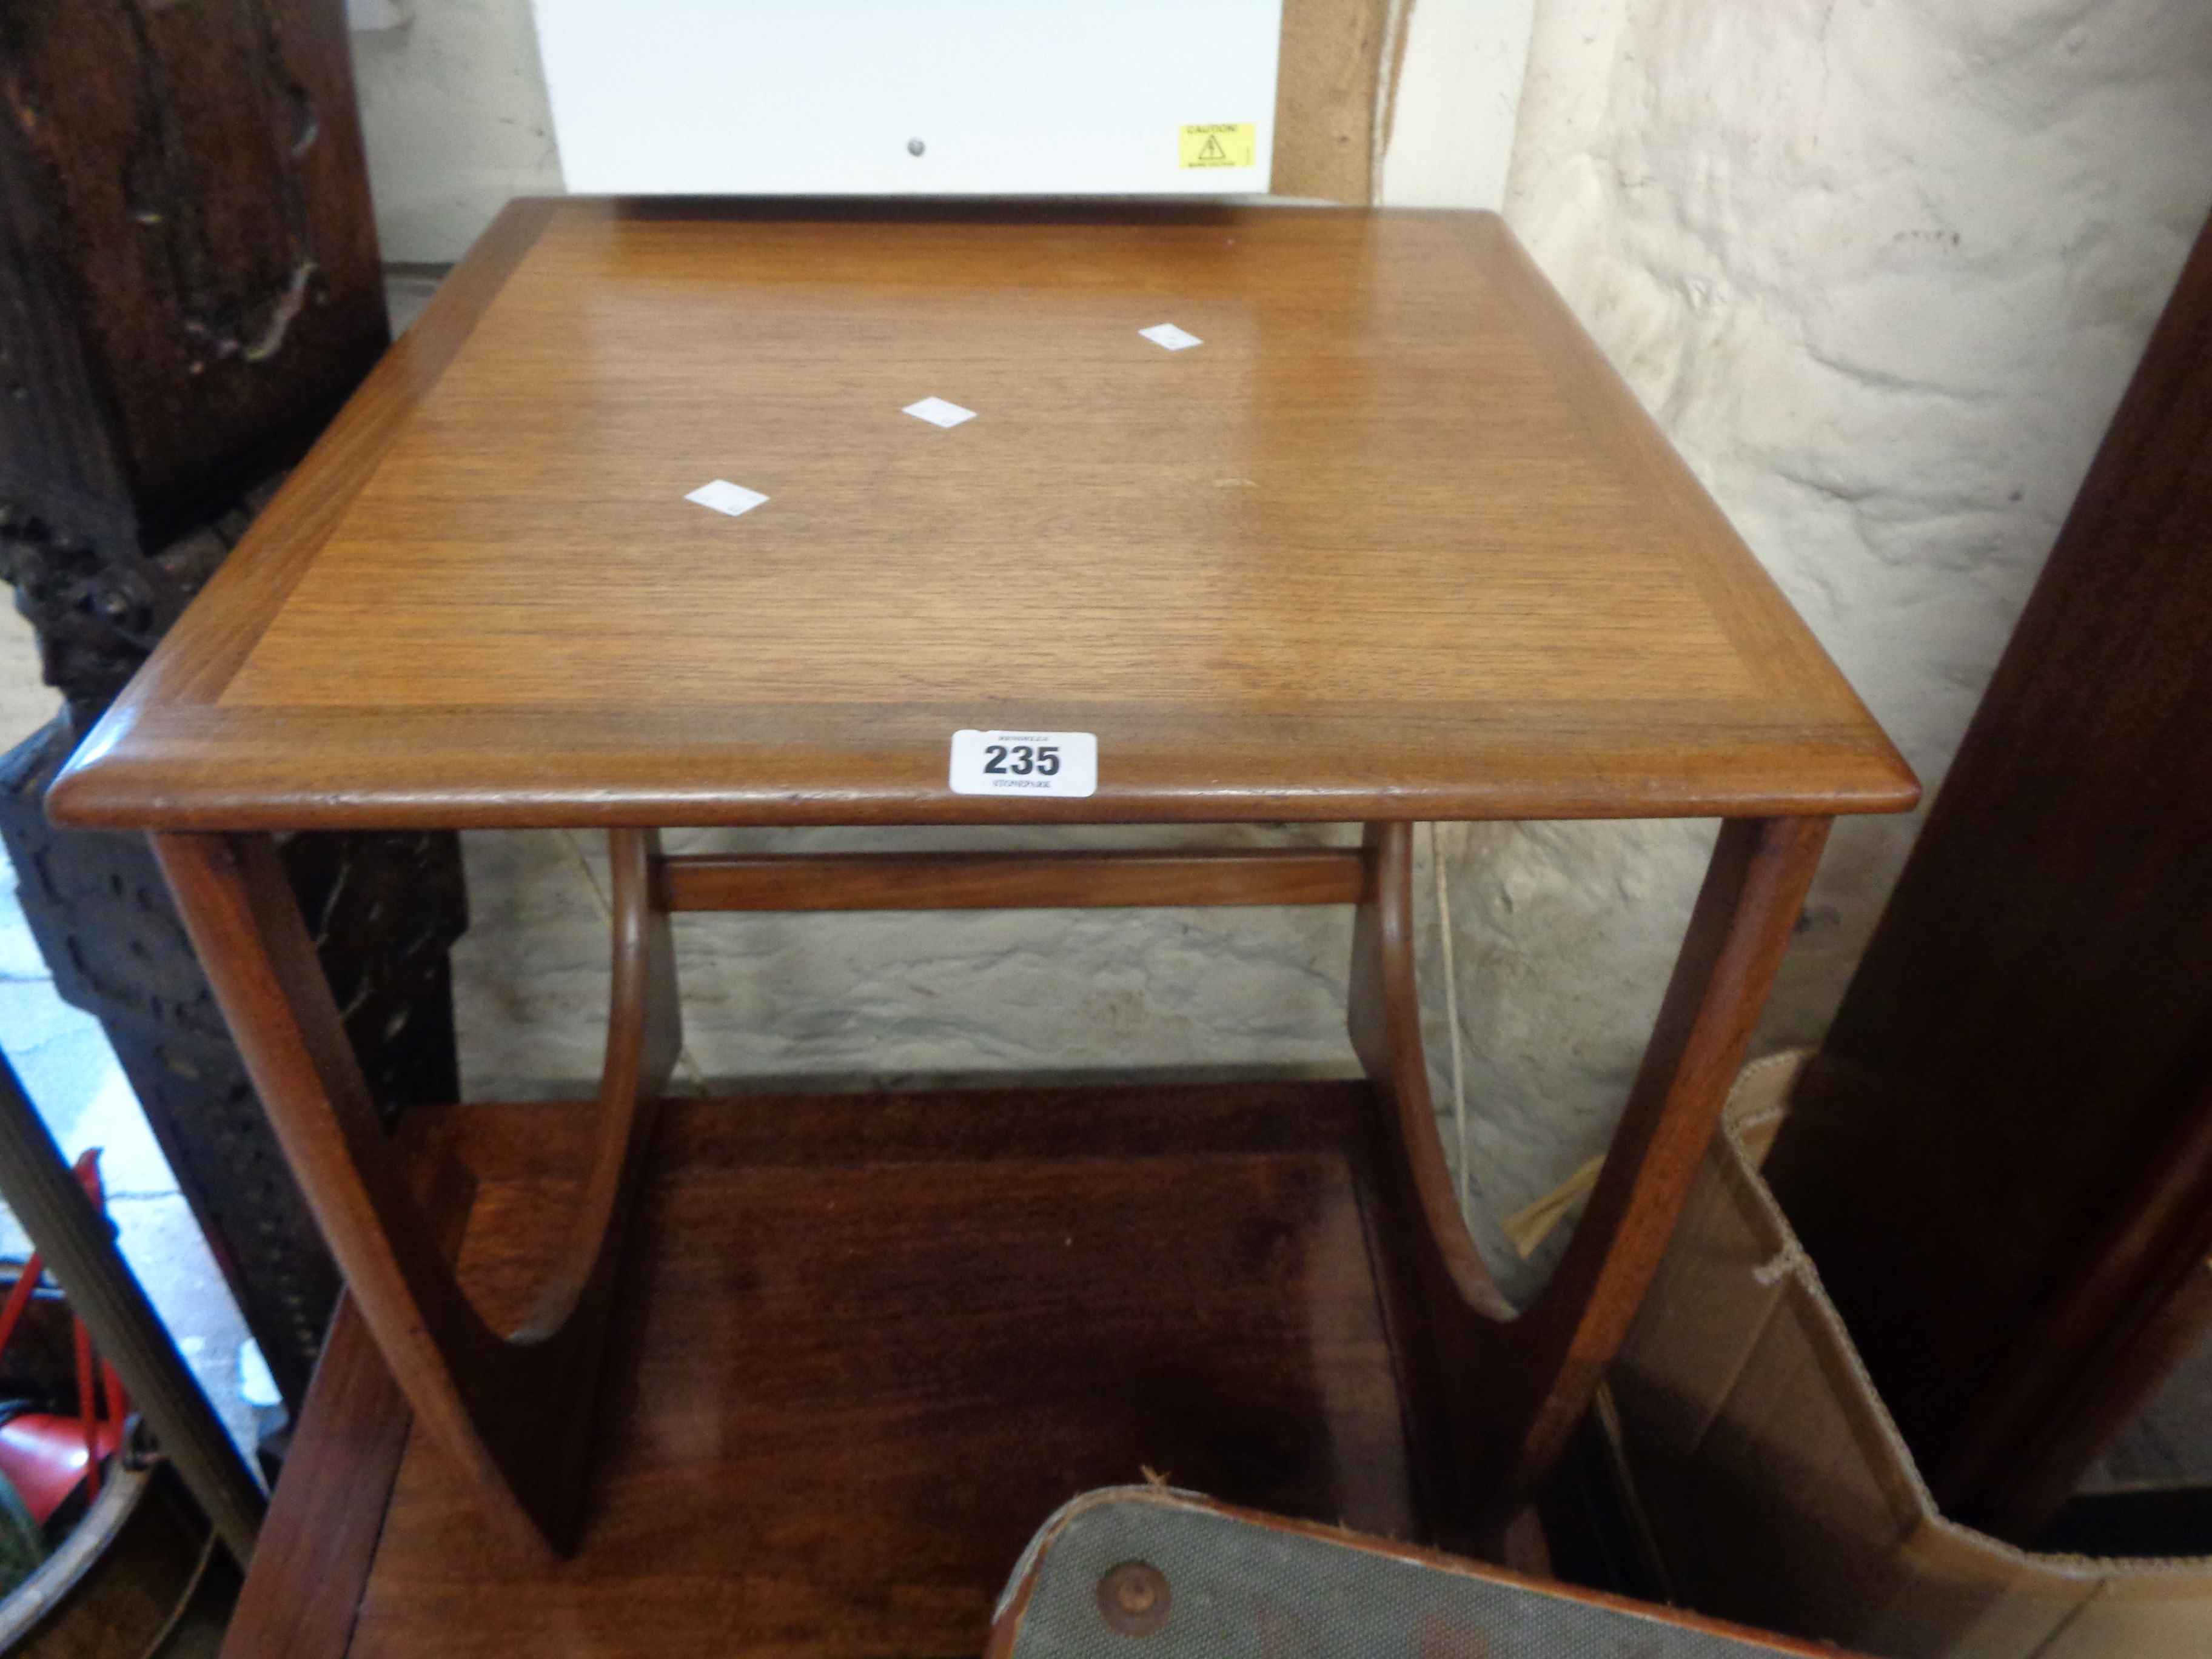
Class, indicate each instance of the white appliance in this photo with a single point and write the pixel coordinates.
(913, 97)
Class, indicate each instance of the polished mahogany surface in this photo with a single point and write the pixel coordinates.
(868, 1343)
(1393, 543)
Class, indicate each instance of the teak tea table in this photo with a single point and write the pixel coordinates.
(1392, 543)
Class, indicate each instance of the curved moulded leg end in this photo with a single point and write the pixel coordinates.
(1500, 1394)
(515, 1411)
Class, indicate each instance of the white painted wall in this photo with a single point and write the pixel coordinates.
(454, 117)
(1449, 140)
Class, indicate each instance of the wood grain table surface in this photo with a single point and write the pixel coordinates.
(1394, 542)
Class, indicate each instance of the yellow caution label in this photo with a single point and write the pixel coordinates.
(1224, 144)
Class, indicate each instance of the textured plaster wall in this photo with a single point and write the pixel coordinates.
(1880, 268)
(884, 996)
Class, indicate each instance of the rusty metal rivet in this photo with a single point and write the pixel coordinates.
(1134, 1598)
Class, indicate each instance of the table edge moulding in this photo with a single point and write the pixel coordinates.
(181, 750)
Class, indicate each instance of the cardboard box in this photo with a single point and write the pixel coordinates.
(1778, 1488)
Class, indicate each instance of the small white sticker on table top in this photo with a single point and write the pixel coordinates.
(1167, 335)
(938, 412)
(725, 497)
(1024, 762)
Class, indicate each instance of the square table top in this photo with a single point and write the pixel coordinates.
(1393, 542)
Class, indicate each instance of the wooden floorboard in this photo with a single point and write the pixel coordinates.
(868, 1343)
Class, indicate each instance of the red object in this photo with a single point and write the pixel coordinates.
(20, 1297)
(43, 1456)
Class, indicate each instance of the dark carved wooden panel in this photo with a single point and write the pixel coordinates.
(186, 202)
(98, 605)
(2002, 1157)
(189, 287)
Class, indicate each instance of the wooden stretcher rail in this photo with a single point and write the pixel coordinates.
(1009, 881)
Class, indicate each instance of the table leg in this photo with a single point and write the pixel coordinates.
(1509, 1387)
(515, 1410)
